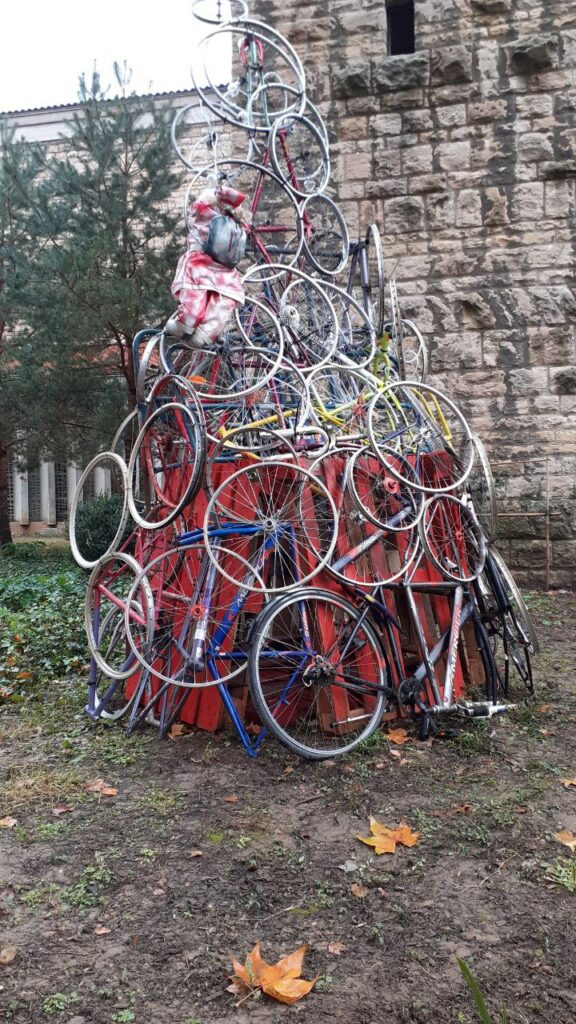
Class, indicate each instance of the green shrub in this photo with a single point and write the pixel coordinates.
(41, 619)
(97, 521)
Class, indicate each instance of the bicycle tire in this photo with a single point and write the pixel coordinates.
(96, 587)
(118, 461)
(376, 284)
(258, 682)
(311, 181)
(327, 245)
(452, 538)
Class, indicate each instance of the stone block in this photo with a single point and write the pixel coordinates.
(387, 124)
(453, 156)
(529, 381)
(452, 116)
(417, 160)
(534, 146)
(440, 209)
(495, 206)
(559, 198)
(403, 72)
(404, 214)
(528, 201)
(469, 211)
(491, 6)
(563, 380)
(451, 65)
(529, 55)
(417, 120)
(474, 310)
(351, 79)
(550, 345)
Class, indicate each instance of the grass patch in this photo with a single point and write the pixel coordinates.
(42, 786)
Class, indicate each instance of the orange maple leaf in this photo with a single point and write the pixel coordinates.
(281, 980)
(567, 838)
(397, 736)
(568, 782)
(385, 840)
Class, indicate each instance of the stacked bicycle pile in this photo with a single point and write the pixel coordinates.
(305, 536)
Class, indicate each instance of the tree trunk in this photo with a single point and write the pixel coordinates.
(5, 533)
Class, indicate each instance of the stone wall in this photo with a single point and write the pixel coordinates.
(464, 153)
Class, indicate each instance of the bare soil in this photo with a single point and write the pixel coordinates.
(115, 919)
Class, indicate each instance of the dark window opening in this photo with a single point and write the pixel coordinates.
(400, 17)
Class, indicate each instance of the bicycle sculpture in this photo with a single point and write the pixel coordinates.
(307, 527)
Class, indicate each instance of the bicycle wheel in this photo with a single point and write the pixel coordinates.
(308, 318)
(515, 606)
(326, 242)
(258, 53)
(375, 285)
(413, 354)
(108, 588)
(114, 698)
(480, 487)
(339, 399)
(200, 621)
(317, 674)
(299, 155)
(428, 429)
(149, 369)
(293, 519)
(452, 538)
(364, 556)
(384, 500)
(105, 477)
(356, 344)
(170, 451)
(244, 446)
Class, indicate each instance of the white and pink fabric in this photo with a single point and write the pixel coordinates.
(207, 292)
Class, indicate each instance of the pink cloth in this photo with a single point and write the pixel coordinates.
(210, 310)
(198, 272)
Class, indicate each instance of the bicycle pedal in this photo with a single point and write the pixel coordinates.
(481, 709)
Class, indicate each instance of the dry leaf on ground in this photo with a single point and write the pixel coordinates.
(568, 782)
(397, 736)
(8, 822)
(385, 840)
(7, 955)
(178, 729)
(337, 948)
(24, 675)
(196, 853)
(62, 809)
(567, 838)
(359, 890)
(101, 929)
(99, 786)
(231, 799)
(281, 981)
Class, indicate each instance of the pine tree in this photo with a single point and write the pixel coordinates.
(103, 240)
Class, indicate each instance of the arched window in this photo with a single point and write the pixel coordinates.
(400, 18)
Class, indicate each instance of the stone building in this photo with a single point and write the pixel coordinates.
(464, 153)
(452, 127)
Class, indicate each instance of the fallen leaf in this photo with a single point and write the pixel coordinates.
(359, 890)
(253, 729)
(547, 732)
(567, 838)
(24, 675)
(349, 866)
(196, 853)
(288, 770)
(382, 764)
(280, 981)
(231, 799)
(397, 736)
(543, 708)
(289, 990)
(520, 810)
(62, 809)
(385, 840)
(100, 929)
(568, 782)
(337, 948)
(7, 955)
(99, 786)
(178, 729)
(395, 753)
(461, 808)
(8, 822)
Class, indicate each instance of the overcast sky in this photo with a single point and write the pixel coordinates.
(47, 44)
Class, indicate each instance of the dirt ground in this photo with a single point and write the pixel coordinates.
(116, 918)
